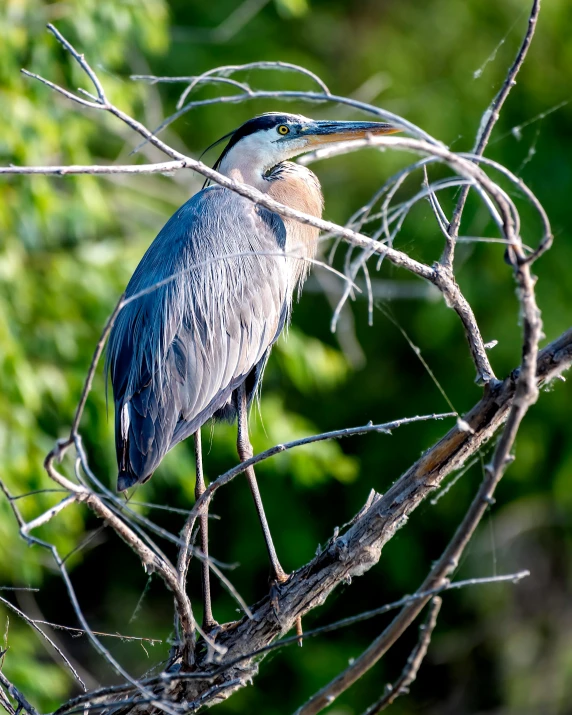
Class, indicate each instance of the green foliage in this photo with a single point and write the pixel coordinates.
(68, 246)
(47, 682)
(311, 464)
(310, 364)
(292, 8)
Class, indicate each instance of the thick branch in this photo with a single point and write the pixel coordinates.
(359, 548)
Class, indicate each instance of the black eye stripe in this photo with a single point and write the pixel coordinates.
(270, 120)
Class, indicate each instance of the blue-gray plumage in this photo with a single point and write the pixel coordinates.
(177, 353)
(210, 298)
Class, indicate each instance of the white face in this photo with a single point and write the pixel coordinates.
(251, 157)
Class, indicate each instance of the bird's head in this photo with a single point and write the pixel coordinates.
(260, 144)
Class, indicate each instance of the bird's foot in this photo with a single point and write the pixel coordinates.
(210, 628)
(279, 578)
(276, 583)
(209, 632)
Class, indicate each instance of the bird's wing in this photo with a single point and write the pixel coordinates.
(208, 299)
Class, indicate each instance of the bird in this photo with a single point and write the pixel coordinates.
(209, 299)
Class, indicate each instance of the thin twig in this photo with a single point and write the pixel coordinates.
(31, 622)
(401, 686)
(80, 631)
(48, 515)
(80, 59)
(384, 428)
(23, 703)
(163, 167)
(490, 118)
(4, 701)
(291, 640)
(228, 70)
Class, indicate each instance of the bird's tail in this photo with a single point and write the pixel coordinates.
(125, 480)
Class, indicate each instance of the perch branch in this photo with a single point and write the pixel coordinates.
(359, 548)
(164, 677)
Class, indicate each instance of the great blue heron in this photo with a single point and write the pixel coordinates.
(216, 291)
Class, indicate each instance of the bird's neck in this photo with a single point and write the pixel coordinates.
(247, 163)
(298, 187)
(295, 186)
(245, 175)
(289, 183)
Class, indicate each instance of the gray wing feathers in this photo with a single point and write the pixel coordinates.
(176, 353)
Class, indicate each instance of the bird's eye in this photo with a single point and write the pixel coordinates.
(283, 129)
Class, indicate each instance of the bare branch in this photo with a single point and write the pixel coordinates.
(384, 428)
(359, 548)
(4, 701)
(73, 169)
(92, 368)
(80, 631)
(48, 515)
(80, 59)
(488, 122)
(401, 686)
(291, 640)
(23, 704)
(229, 70)
(234, 652)
(45, 636)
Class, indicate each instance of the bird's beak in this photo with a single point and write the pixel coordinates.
(319, 133)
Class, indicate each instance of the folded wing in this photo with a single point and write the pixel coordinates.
(204, 306)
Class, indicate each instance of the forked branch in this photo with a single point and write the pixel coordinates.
(195, 678)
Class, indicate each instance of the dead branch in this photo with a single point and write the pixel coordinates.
(13, 691)
(43, 634)
(488, 122)
(195, 678)
(290, 640)
(358, 549)
(401, 686)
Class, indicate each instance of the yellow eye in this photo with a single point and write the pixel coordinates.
(283, 129)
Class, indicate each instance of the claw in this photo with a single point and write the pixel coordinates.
(275, 589)
(211, 629)
(276, 582)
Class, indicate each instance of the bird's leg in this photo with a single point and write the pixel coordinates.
(245, 452)
(208, 620)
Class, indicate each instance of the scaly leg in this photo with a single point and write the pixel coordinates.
(208, 620)
(245, 452)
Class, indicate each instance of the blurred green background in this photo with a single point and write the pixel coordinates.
(69, 245)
